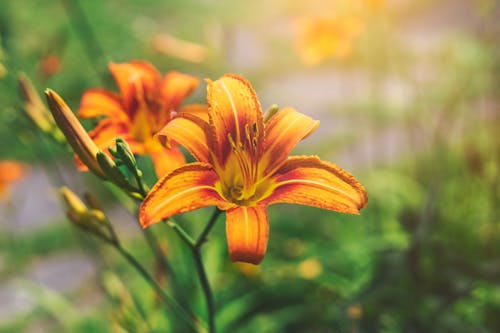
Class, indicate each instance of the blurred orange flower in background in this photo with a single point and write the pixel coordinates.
(169, 45)
(243, 166)
(10, 172)
(320, 38)
(375, 4)
(50, 65)
(146, 102)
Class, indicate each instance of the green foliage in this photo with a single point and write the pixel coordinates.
(423, 256)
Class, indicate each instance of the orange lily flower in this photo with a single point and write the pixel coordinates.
(243, 166)
(10, 172)
(145, 104)
(321, 38)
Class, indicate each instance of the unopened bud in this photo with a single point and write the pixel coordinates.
(110, 169)
(36, 109)
(72, 201)
(74, 132)
(92, 201)
(92, 220)
(125, 154)
(270, 112)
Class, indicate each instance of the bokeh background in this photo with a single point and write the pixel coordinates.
(407, 93)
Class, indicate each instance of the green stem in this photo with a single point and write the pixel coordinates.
(207, 291)
(205, 285)
(203, 236)
(161, 259)
(142, 313)
(165, 266)
(140, 183)
(195, 247)
(190, 319)
(182, 233)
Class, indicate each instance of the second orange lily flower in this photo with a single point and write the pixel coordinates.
(10, 172)
(243, 166)
(146, 102)
(321, 38)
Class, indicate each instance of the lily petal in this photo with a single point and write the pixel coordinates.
(247, 231)
(307, 180)
(99, 102)
(137, 80)
(106, 131)
(187, 188)
(175, 87)
(235, 114)
(198, 110)
(189, 131)
(283, 131)
(166, 160)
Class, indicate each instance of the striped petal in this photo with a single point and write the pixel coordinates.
(312, 182)
(247, 231)
(283, 131)
(185, 189)
(189, 131)
(98, 102)
(198, 110)
(137, 81)
(235, 114)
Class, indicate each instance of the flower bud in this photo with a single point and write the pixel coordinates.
(125, 154)
(74, 132)
(110, 169)
(72, 201)
(92, 201)
(36, 109)
(270, 112)
(92, 220)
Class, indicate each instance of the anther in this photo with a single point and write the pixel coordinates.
(231, 141)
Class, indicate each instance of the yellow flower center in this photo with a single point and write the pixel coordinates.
(141, 129)
(241, 180)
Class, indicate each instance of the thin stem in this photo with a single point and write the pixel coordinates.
(165, 266)
(205, 284)
(140, 183)
(142, 312)
(190, 319)
(207, 291)
(112, 233)
(195, 247)
(203, 236)
(182, 233)
(161, 258)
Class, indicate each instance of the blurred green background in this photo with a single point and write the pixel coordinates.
(413, 112)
